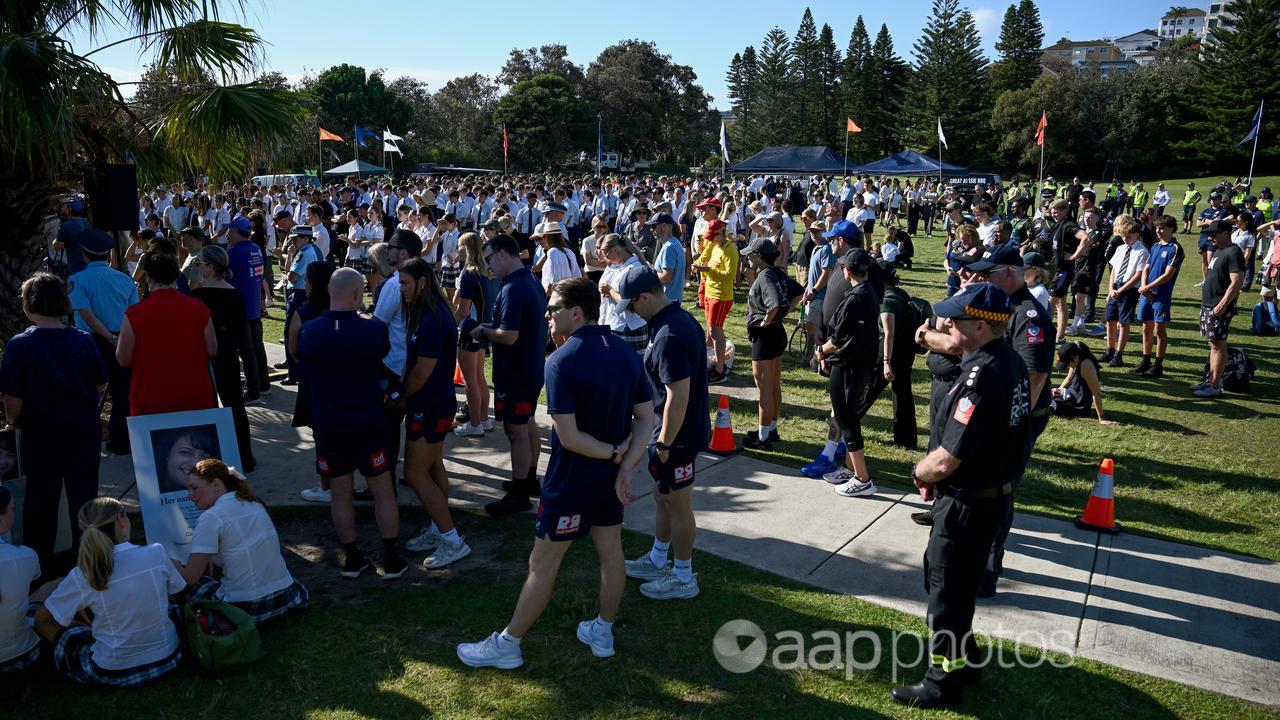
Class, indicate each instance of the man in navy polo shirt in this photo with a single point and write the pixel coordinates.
(341, 353)
(676, 363)
(244, 259)
(601, 416)
(518, 335)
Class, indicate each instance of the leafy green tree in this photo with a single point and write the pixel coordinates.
(829, 65)
(743, 81)
(1021, 35)
(887, 80)
(949, 82)
(806, 75)
(349, 97)
(544, 120)
(464, 109)
(777, 93)
(524, 64)
(1078, 106)
(855, 87)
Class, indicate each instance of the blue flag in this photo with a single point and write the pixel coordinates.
(1254, 127)
(362, 135)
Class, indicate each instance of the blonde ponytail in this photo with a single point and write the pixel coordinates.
(97, 558)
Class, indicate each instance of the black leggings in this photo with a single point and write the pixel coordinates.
(848, 385)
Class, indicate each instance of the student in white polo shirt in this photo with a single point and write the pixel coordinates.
(133, 638)
(19, 644)
(235, 534)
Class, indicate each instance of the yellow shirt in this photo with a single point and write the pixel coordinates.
(722, 263)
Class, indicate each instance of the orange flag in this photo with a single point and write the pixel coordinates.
(1044, 123)
(326, 135)
(853, 126)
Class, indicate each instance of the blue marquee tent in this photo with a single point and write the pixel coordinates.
(794, 160)
(908, 162)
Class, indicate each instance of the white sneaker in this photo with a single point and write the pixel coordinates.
(428, 539)
(670, 587)
(1073, 331)
(1200, 284)
(488, 425)
(597, 638)
(490, 653)
(856, 488)
(469, 430)
(642, 568)
(840, 476)
(446, 554)
(317, 494)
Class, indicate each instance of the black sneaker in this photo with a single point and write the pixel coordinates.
(1155, 371)
(1116, 360)
(355, 564)
(753, 441)
(535, 490)
(281, 366)
(510, 504)
(393, 566)
(924, 517)
(464, 413)
(774, 436)
(715, 378)
(1106, 355)
(1141, 367)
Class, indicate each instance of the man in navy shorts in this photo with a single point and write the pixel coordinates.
(676, 364)
(341, 353)
(601, 416)
(518, 336)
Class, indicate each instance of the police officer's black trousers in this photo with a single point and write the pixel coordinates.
(118, 379)
(963, 530)
(293, 301)
(53, 459)
(995, 562)
(904, 406)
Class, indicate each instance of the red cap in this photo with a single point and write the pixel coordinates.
(714, 228)
(708, 201)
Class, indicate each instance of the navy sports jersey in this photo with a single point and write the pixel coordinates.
(472, 287)
(56, 372)
(1032, 333)
(596, 377)
(521, 305)
(436, 336)
(677, 351)
(341, 356)
(1162, 257)
(985, 413)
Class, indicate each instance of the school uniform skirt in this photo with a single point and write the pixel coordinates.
(269, 607)
(73, 657)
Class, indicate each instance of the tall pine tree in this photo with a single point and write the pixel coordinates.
(948, 82)
(829, 78)
(742, 80)
(855, 88)
(806, 75)
(1021, 36)
(776, 99)
(887, 80)
(1234, 78)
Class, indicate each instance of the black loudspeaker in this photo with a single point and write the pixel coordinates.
(113, 197)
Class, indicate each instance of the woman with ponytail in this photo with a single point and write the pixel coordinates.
(133, 636)
(19, 644)
(226, 304)
(621, 253)
(235, 534)
(432, 347)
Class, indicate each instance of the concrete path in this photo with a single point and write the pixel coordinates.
(1197, 616)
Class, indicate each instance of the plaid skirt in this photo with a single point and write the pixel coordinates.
(73, 657)
(27, 660)
(360, 265)
(449, 276)
(277, 604)
(637, 339)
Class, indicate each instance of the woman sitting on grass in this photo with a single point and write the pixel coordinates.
(129, 637)
(1080, 389)
(235, 533)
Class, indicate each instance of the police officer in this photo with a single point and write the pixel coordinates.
(971, 471)
(99, 296)
(1029, 332)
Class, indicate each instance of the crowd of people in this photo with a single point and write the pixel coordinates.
(612, 297)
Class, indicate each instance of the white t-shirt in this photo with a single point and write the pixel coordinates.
(1244, 239)
(889, 251)
(560, 265)
(131, 625)
(243, 542)
(357, 233)
(18, 567)
(1041, 293)
(388, 311)
(609, 314)
(321, 239)
(987, 232)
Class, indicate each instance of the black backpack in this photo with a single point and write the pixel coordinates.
(1240, 368)
(920, 311)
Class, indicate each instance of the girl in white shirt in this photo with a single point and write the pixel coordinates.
(19, 644)
(449, 264)
(235, 534)
(560, 263)
(621, 254)
(357, 244)
(133, 638)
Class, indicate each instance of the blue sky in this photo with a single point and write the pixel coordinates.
(438, 41)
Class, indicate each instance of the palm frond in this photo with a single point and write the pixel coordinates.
(145, 16)
(207, 46)
(216, 128)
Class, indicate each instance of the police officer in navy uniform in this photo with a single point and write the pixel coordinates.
(972, 472)
(1031, 334)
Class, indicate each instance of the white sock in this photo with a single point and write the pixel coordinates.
(684, 570)
(605, 626)
(773, 426)
(506, 639)
(658, 555)
(762, 432)
(452, 537)
(829, 450)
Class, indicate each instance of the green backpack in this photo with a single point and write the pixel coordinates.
(222, 637)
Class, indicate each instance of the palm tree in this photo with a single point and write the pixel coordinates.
(60, 112)
(1177, 11)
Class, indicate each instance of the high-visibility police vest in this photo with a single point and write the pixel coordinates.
(1237, 199)
(1140, 198)
(1267, 207)
(1190, 197)
(1111, 191)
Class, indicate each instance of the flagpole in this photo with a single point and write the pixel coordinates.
(846, 151)
(1261, 107)
(355, 135)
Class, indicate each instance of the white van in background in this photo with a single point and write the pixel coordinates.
(286, 180)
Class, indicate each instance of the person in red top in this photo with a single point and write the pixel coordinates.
(167, 339)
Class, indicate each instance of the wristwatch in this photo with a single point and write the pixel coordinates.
(614, 455)
(661, 446)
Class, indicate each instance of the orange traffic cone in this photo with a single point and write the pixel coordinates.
(722, 442)
(1100, 512)
(457, 375)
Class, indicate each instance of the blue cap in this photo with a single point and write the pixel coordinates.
(638, 278)
(980, 300)
(844, 229)
(242, 224)
(1006, 254)
(96, 242)
(76, 204)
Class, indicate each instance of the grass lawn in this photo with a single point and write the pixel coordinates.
(372, 650)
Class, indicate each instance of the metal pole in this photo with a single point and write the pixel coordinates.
(1255, 142)
(846, 151)
(1042, 161)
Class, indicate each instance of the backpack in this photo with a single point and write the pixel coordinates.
(920, 311)
(1240, 368)
(1266, 319)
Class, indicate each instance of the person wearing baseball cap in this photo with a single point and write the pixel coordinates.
(66, 247)
(972, 471)
(669, 259)
(718, 262)
(1217, 210)
(768, 302)
(1222, 286)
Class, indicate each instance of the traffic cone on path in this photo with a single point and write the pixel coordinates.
(457, 375)
(1100, 512)
(722, 442)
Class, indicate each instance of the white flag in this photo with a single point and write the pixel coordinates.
(942, 138)
(389, 146)
(388, 135)
(724, 142)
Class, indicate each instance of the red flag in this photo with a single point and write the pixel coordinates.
(326, 135)
(1044, 123)
(853, 126)
(504, 141)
